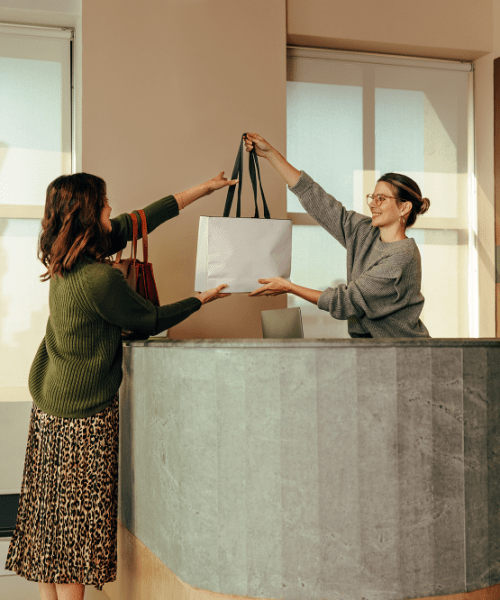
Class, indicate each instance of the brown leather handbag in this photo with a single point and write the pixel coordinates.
(139, 274)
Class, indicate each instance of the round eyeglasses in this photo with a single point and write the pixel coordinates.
(377, 199)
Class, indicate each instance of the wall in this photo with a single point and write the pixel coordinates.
(168, 88)
(450, 29)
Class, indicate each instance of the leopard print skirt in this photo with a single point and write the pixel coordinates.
(66, 526)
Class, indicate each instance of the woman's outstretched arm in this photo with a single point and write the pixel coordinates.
(274, 286)
(203, 189)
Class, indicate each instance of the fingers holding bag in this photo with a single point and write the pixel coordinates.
(254, 141)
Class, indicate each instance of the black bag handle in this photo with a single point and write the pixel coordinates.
(253, 167)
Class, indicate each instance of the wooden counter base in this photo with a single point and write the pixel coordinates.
(142, 576)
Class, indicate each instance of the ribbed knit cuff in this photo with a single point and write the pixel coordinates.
(302, 185)
(325, 299)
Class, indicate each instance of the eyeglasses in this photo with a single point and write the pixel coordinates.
(377, 198)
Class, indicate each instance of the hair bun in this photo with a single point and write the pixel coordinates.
(425, 206)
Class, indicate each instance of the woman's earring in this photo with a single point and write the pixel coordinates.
(402, 221)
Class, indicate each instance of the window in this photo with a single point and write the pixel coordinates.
(35, 148)
(350, 119)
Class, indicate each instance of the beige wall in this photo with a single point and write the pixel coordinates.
(455, 29)
(168, 88)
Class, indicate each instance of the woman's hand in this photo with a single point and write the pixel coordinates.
(204, 189)
(212, 294)
(254, 140)
(274, 286)
(218, 182)
(264, 149)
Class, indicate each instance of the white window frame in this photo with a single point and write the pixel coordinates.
(35, 212)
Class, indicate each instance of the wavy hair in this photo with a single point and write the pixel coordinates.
(407, 190)
(71, 225)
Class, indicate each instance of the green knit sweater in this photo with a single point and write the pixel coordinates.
(78, 367)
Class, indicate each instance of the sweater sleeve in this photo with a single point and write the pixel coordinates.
(156, 213)
(328, 212)
(116, 302)
(378, 292)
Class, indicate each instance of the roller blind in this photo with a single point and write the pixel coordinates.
(350, 119)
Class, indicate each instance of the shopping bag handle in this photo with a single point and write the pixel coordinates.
(253, 167)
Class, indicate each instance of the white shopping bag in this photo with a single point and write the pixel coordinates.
(240, 251)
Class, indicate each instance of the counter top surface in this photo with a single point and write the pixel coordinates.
(319, 343)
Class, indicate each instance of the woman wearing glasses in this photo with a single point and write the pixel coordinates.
(382, 297)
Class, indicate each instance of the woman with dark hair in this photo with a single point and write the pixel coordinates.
(65, 535)
(382, 297)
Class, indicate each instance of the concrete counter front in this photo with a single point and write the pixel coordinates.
(313, 469)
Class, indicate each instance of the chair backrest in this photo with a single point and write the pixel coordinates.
(282, 323)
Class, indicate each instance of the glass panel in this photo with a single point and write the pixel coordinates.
(318, 262)
(421, 131)
(24, 307)
(35, 116)
(35, 148)
(325, 138)
(444, 281)
(398, 112)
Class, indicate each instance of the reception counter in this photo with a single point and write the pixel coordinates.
(314, 469)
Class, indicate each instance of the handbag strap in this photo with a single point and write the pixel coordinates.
(144, 228)
(253, 167)
(135, 233)
(133, 249)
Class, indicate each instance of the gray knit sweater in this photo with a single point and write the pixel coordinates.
(382, 296)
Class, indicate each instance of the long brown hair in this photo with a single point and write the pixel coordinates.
(71, 225)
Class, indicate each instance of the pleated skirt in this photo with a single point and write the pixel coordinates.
(66, 526)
